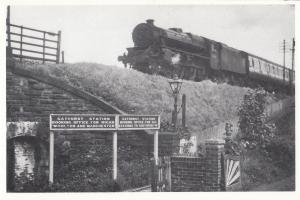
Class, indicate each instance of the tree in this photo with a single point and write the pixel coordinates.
(255, 131)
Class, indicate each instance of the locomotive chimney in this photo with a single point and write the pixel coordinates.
(150, 22)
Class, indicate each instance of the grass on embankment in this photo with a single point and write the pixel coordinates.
(208, 103)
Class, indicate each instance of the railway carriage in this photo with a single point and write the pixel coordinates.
(172, 51)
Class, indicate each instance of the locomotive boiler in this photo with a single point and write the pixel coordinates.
(172, 51)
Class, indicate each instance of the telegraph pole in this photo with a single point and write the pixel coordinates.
(293, 54)
(283, 59)
(283, 53)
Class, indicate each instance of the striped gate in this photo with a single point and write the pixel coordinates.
(232, 171)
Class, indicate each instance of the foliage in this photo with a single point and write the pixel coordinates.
(91, 171)
(208, 103)
(268, 152)
(255, 132)
(231, 146)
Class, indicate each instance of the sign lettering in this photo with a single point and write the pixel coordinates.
(82, 122)
(103, 122)
(136, 122)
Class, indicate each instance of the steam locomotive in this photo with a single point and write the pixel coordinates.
(172, 51)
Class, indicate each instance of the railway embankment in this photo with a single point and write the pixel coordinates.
(208, 103)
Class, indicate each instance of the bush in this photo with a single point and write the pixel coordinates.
(91, 171)
(267, 154)
(255, 132)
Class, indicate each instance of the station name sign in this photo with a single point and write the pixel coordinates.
(82, 122)
(103, 122)
(138, 122)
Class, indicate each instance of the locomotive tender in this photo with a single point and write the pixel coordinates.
(171, 51)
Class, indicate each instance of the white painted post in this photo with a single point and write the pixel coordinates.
(156, 147)
(51, 157)
(115, 151)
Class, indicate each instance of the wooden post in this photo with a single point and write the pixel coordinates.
(293, 67)
(58, 47)
(51, 157)
(62, 57)
(44, 42)
(8, 27)
(21, 43)
(183, 110)
(154, 174)
(293, 53)
(156, 147)
(169, 174)
(284, 60)
(115, 151)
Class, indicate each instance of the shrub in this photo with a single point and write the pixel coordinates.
(255, 132)
(266, 155)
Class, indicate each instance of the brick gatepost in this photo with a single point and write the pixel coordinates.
(201, 173)
(214, 172)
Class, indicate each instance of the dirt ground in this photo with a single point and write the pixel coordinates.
(287, 184)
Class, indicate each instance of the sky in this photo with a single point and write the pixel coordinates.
(101, 33)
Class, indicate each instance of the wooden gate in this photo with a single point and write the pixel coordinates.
(232, 170)
(161, 175)
(30, 43)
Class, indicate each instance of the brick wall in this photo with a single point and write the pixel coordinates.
(204, 173)
(30, 98)
(168, 143)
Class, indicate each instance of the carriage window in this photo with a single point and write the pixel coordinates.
(268, 68)
(265, 67)
(273, 69)
(259, 65)
(287, 75)
(213, 49)
(293, 76)
(280, 72)
(256, 65)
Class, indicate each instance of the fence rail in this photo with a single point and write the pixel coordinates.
(35, 44)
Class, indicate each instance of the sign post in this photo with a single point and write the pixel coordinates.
(142, 122)
(51, 157)
(115, 151)
(95, 122)
(156, 147)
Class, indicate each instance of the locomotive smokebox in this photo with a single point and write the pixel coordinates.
(143, 34)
